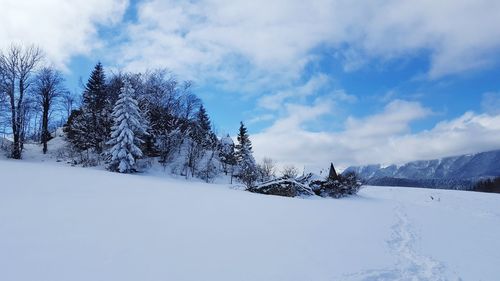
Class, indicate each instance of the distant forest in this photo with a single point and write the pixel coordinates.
(489, 185)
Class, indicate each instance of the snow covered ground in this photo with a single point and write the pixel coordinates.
(68, 223)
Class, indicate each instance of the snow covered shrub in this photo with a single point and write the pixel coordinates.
(341, 186)
(65, 153)
(283, 186)
(144, 164)
(247, 175)
(89, 158)
(5, 146)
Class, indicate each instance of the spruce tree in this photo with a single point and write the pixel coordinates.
(244, 146)
(332, 174)
(128, 125)
(94, 95)
(200, 140)
(98, 120)
(77, 129)
(247, 169)
(202, 131)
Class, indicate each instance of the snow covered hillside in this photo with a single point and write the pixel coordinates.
(67, 223)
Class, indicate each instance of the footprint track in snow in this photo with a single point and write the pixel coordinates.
(410, 266)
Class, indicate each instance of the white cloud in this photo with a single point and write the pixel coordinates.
(299, 115)
(460, 35)
(294, 105)
(250, 39)
(490, 102)
(61, 28)
(381, 138)
(261, 118)
(311, 87)
(341, 95)
(395, 119)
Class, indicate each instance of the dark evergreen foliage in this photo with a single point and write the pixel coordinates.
(488, 185)
(244, 145)
(337, 187)
(94, 95)
(247, 169)
(76, 132)
(332, 174)
(96, 122)
(200, 139)
(201, 132)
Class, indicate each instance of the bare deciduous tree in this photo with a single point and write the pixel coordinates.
(18, 64)
(68, 102)
(48, 86)
(290, 172)
(3, 106)
(267, 169)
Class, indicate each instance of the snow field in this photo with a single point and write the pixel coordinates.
(66, 223)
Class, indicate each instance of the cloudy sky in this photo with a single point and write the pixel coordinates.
(348, 81)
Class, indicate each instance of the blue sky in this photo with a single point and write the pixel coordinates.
(315, 81)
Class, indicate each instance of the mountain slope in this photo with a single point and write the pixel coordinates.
(458, 172)
(66, 223)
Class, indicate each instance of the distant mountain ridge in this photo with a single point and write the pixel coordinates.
(456, 172)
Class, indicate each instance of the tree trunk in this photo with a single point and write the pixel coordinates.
(45, 126)
(16, 150)
(20, 117)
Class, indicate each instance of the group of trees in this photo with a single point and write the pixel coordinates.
(125, 117)
(488, 185)
(121, 119)
(29, 91)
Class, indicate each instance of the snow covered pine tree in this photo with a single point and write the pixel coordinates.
(128, 124)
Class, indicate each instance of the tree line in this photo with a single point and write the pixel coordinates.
(488, 185)
(119, 119)
(125, 121)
